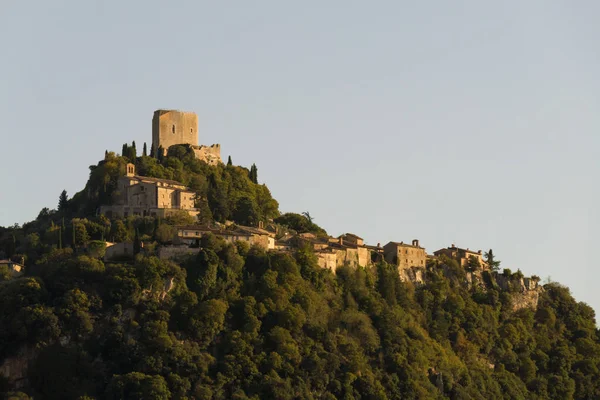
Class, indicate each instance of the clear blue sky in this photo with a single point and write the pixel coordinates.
(467, 122)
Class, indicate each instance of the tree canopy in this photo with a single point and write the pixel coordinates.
(237, 322)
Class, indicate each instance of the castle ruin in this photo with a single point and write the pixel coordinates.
(171, 127)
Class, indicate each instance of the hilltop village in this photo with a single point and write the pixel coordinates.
(148, 196)
(173, 272)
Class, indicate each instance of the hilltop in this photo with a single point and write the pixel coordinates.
(212, 292)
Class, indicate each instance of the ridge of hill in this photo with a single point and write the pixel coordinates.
(239, 321)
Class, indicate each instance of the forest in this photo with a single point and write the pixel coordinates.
(239, 322)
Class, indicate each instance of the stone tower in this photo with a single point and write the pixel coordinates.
(170, 127)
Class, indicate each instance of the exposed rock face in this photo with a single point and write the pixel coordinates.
(412, 274)
(168, 285)
(525, 292)
(15, 368)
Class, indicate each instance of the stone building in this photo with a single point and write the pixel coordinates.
(15, 268)
(142, 195)
(332, 253)
(405, 255)
(171, 127)
(462, 256)
(253, 236)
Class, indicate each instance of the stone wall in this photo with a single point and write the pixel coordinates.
(209, 154)
(354, 257)
(118, 251)
(170, 127)
(176, 251)
(405, 255)
(327, 260)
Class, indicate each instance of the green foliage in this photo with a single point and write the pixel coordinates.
(63, 201)
(235, 321)
(253, 174)
(300, 223)
(490, 259)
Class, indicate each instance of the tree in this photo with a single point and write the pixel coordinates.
(137, 244)
(253, 173)
(229, 163)
(165, 233)
(246, 211)
(132, 152)
(473, 264)
(136, 385)
(308, 217)
(124, 150)
(491, 261)
(63, 201)
(145, 150)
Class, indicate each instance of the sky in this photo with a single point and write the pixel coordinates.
(468, 122)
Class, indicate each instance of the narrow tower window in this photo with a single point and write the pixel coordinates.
(173, 129)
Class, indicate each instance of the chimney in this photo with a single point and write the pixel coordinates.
(478, 251)
(453, 246)
(378, 245)
(342, 240)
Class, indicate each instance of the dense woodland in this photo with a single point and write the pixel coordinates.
(235, 322)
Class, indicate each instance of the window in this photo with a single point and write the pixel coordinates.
(173, 128)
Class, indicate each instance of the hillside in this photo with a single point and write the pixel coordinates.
(235, 321)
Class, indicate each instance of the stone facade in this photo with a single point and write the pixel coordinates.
(462, 256)
(405, 255)
(141, 195)
(251, 235)
(118, 251)
(209, 154)
(15, 269)
(171, 127)
(170, 252)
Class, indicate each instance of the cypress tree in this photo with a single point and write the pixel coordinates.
(136, 243)
(124, 150)
(254, 173)
(229, 163)
(145, 150)
(132, 153)
(73, 230)
(63, 200)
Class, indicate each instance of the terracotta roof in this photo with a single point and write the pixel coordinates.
(216, 231)
(256, 231)
(4, 262)
(402, 244)
(458, 249)
(147, 178)
(351, 234)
